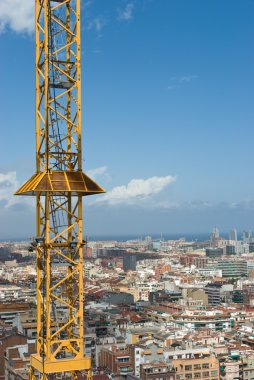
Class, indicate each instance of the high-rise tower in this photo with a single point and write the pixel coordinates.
(233, 234)
(58, 186)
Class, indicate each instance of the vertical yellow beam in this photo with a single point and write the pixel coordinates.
(81, 287)
(38, 270)
(78, 37)
(37, 89)
(38, 48)
(46, 80)
(47, 269)
(69, 270)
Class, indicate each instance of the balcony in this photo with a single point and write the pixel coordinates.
(126, 370)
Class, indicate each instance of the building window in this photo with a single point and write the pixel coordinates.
(205, 365)
(188, 368)
(197, 375)
(123, 360)
(124, 369)
(214, 373)
(197, 366)
(188, 376)
(206, 374)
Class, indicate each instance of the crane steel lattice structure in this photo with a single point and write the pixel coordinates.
(59, 185)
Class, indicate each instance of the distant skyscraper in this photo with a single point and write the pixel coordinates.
(215, 233)
(129, 262)
(149, 243)
(215, 236)
(246, 236)
(233, 235)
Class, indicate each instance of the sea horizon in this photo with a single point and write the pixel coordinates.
(198, 236)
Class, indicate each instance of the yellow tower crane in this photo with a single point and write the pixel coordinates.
(58, 186)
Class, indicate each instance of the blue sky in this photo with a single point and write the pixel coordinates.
(167, 114)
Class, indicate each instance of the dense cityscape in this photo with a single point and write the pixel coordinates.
(119, 118)
(154, 309)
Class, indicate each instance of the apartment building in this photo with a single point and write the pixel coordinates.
(237, 366)
(233, 268)
(156, 371)
(204, 368)
(216, 322)
(116, 360)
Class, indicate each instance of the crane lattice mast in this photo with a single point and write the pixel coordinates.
(58, 186)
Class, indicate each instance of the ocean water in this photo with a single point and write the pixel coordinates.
(198, 236)
(155, 236)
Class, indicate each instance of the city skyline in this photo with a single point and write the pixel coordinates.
(177, 309)
(167, 115)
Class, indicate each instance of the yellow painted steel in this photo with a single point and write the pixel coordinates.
(59, 185)
(59, 181)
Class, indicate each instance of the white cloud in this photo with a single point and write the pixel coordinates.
(172, 87)
(18, 15)
(186, 205)
(97, 172)
(97, 24)
(126, 13)
(178, 81)
(136, 190)
(202, 205)
(87, 3)
(8, 186)
(187, 78)
(244, 204)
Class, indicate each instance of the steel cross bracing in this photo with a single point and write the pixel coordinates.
(59, 185)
